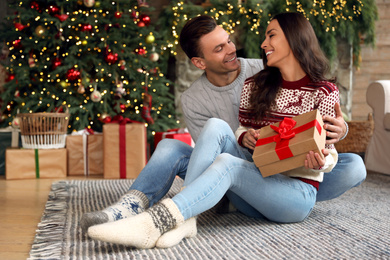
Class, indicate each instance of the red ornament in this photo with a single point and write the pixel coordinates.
(56, 62)
(134, 14)
(35, 5)
(53, 10)
(140, 51)
(86, 28)
(145, 18)
(122, 107)
(73, 74)
(19, 26)
(10, 77)
(17, 44)
(62, 17)
(111, 57)
(141, 24)
(118, 14)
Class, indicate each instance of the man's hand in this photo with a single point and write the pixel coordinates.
(335, 127)
(250, 138)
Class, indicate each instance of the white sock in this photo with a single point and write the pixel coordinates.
(143, 230)
(174, 236)
(130, 204)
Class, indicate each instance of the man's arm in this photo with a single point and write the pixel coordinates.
(336, 128)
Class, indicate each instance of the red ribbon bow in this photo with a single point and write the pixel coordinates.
(286, 131)
(118, 119)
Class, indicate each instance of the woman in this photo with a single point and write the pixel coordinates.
(292, 82)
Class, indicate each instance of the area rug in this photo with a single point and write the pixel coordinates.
(353, 226)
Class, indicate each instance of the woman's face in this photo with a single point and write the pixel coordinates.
(276, 46)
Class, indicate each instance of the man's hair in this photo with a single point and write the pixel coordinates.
(191, 33)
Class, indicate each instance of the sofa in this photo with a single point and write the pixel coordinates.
(377, 156)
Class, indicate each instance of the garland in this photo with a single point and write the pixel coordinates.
(351, 21)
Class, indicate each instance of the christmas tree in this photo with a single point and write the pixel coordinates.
(98, 59)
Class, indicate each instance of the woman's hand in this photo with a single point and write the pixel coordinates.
(334, 126)
(314, 160)
(250, 138)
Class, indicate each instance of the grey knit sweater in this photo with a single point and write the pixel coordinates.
(203, 100)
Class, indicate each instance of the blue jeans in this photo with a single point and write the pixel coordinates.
(171, 158)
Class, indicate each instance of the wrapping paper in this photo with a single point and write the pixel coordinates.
(35, 163)
(124, 152)
(178, 134)
(9, 137)
(85, 154)
(284, 145)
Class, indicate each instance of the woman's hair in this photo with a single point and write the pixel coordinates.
(306, 49)
(192, 31)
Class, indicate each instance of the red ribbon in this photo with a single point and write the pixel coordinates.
(122, 121)
(286, 131)
(90, 131)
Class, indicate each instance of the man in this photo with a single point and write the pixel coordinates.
(215, 94)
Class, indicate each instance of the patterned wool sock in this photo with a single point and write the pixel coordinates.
(143, 230)
(130, 204)
(174, 236)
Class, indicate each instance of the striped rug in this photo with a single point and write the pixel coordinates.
(353, 226)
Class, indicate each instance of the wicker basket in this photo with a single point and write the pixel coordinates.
(359, 135)
(43, 130)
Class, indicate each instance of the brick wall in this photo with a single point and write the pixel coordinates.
(375, 63)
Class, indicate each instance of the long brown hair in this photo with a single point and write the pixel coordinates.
(306, 49)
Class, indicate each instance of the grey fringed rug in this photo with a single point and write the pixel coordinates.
(353, 226)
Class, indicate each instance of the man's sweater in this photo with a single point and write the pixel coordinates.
(203, 100)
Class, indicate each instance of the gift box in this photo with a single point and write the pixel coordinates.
(283, 146)
(178, 134)
(9, 137)
(35, 163)
(124, 150)
(85, 153)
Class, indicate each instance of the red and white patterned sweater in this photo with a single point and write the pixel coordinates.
(292, 99)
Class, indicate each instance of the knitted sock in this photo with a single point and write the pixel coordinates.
(130, 204)
(174, 236)
(143, 230)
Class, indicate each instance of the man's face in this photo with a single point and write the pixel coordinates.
(219, 52)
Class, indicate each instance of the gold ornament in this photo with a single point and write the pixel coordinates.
(89, 3)
(63, 84)
(81, 89)
(149, 39)
(40, 31)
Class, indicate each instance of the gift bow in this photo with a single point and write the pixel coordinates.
(286, 131)
(122, 120)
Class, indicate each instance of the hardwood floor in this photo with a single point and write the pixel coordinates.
(21, 205)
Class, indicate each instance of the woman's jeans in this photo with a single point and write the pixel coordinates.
(219, 165)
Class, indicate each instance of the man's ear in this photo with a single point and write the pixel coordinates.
(198, 62)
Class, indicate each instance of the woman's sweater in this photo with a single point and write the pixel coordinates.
(292, 99)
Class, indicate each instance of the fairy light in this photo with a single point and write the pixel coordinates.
(329, 16)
